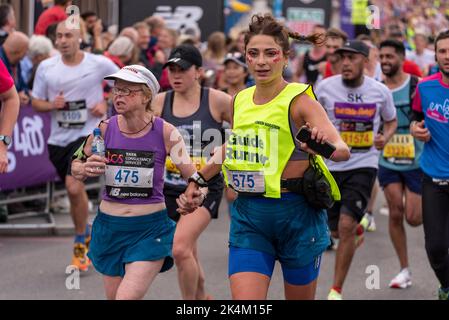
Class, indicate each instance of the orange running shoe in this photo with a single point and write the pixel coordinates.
(80, 259)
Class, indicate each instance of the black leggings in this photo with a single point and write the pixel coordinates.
(435, 204)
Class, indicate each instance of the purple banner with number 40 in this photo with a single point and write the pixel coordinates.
(28, 162)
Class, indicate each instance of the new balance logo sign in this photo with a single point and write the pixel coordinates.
(115, 192)
(181, 18)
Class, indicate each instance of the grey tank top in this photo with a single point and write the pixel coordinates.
(200, 131)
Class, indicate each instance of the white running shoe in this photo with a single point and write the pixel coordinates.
(402, 280)
(384, 211)
(60, 204)
(368, 222)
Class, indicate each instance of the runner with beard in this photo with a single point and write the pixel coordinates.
(399, 173)
(355, 103)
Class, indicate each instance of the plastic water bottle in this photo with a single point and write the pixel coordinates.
(98, 143)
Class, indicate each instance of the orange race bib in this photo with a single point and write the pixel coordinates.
(358, 139)
(400, 149)
(356, 124)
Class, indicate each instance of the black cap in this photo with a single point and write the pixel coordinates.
(185, 56)
(236, 57)
(355, 46)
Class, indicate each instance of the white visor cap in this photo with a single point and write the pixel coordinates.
(137, 74)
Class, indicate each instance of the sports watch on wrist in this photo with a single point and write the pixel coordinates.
(198, 179)
(6, 140)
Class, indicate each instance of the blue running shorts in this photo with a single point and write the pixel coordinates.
(411, 178)
(248, 260)
(287, 229)
(117, 241)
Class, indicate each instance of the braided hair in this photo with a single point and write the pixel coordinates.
(267, 25)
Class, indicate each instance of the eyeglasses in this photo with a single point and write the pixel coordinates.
(124, 91)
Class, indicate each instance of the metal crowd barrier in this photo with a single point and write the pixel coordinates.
(48, 195)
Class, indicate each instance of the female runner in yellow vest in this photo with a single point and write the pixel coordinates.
(268, 222)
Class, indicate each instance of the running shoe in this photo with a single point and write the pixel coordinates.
(80, 259)
(359, 236)
(402, 280)
(368, 222)
(334, 295)
(442, 295)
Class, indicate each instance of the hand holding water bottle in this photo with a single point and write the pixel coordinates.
(96, 163)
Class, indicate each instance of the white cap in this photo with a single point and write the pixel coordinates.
(137, 74)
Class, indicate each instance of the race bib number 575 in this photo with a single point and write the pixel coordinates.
(247, 181)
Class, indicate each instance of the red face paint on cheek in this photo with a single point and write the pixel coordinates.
(276, 56)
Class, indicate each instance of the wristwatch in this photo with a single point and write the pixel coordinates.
(198, 179)
(6, 140)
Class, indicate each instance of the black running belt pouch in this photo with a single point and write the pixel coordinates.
(316, 187)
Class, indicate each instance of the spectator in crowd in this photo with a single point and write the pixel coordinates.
(121, 51)
(335, 39)
(132, 34)
(213, 59)
(55, 14)
(143, 31)
(40, 48)
(156, 25)
(422, 56)
(7, 21)
(11, 53)
(240, 42)
(167, 41)
(143, 42)
(108, 36)
(93, 30)
(154, 56)
(235, 73)
(192, 36)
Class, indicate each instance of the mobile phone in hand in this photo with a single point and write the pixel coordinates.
(324, 149)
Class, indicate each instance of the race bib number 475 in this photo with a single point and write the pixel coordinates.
(129, 174)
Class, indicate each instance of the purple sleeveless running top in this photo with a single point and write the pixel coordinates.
(135, 172)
